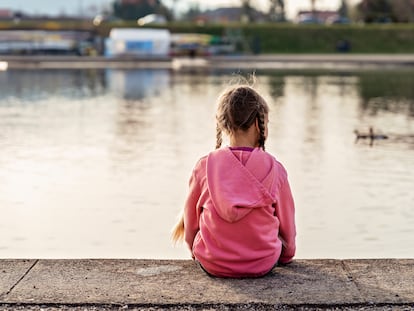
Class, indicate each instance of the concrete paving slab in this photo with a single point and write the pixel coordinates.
(181, 284)
(383, 281)
(11, 271)
(101, 281)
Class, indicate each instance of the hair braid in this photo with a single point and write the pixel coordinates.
(219, 138)
(261, 124)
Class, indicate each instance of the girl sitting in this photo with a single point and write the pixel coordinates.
(238, 220)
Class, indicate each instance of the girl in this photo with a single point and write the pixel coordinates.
(238, 219)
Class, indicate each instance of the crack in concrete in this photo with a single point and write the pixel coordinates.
(351, 278)
(19, 280)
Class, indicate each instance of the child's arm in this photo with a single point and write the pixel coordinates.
(191, 211)
(285, 211)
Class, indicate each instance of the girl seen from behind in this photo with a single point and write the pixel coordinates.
(238, 219)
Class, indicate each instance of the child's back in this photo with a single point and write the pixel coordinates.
(238, 230)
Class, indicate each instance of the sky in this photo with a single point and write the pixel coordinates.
(91, 7)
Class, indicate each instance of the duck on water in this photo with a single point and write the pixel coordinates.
(371, 136)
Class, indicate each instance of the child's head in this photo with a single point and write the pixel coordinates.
(239, 107)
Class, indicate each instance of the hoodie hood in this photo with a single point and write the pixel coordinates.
(236, 188)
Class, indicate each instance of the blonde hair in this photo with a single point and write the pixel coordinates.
(178, 230)
(238, 108)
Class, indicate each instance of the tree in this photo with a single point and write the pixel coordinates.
(376, 11)
(248, 11)
(193, 11)
(313, 9)
(277, 10)
(403, 10)
(312, 5)
(174, 10)
(134, 9)
(343, 9)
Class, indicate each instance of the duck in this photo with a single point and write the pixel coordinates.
(370, 135)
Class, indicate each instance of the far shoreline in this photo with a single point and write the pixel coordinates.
(248, 62)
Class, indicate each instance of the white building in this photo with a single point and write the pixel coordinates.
(138, 42)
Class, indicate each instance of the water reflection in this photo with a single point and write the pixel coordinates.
(392, 91)
(104, 156)
(386, 90)
(34, 85)
(137, 84)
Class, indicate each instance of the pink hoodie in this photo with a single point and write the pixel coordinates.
(239, 215)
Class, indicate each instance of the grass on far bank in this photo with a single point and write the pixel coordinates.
(268, 37)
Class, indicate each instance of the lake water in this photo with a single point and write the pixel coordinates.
(95, 163)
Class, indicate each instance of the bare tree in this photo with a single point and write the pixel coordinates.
(343, 9)
(403, 10)
(248, 11)
(313, 4)
(376, 11)
(277, 10)
(174, 9)
(313, 8)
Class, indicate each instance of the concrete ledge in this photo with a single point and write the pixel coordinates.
(248, 62)
(370, 284)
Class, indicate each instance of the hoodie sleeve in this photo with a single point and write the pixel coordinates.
(285, 211)
(191, 211)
